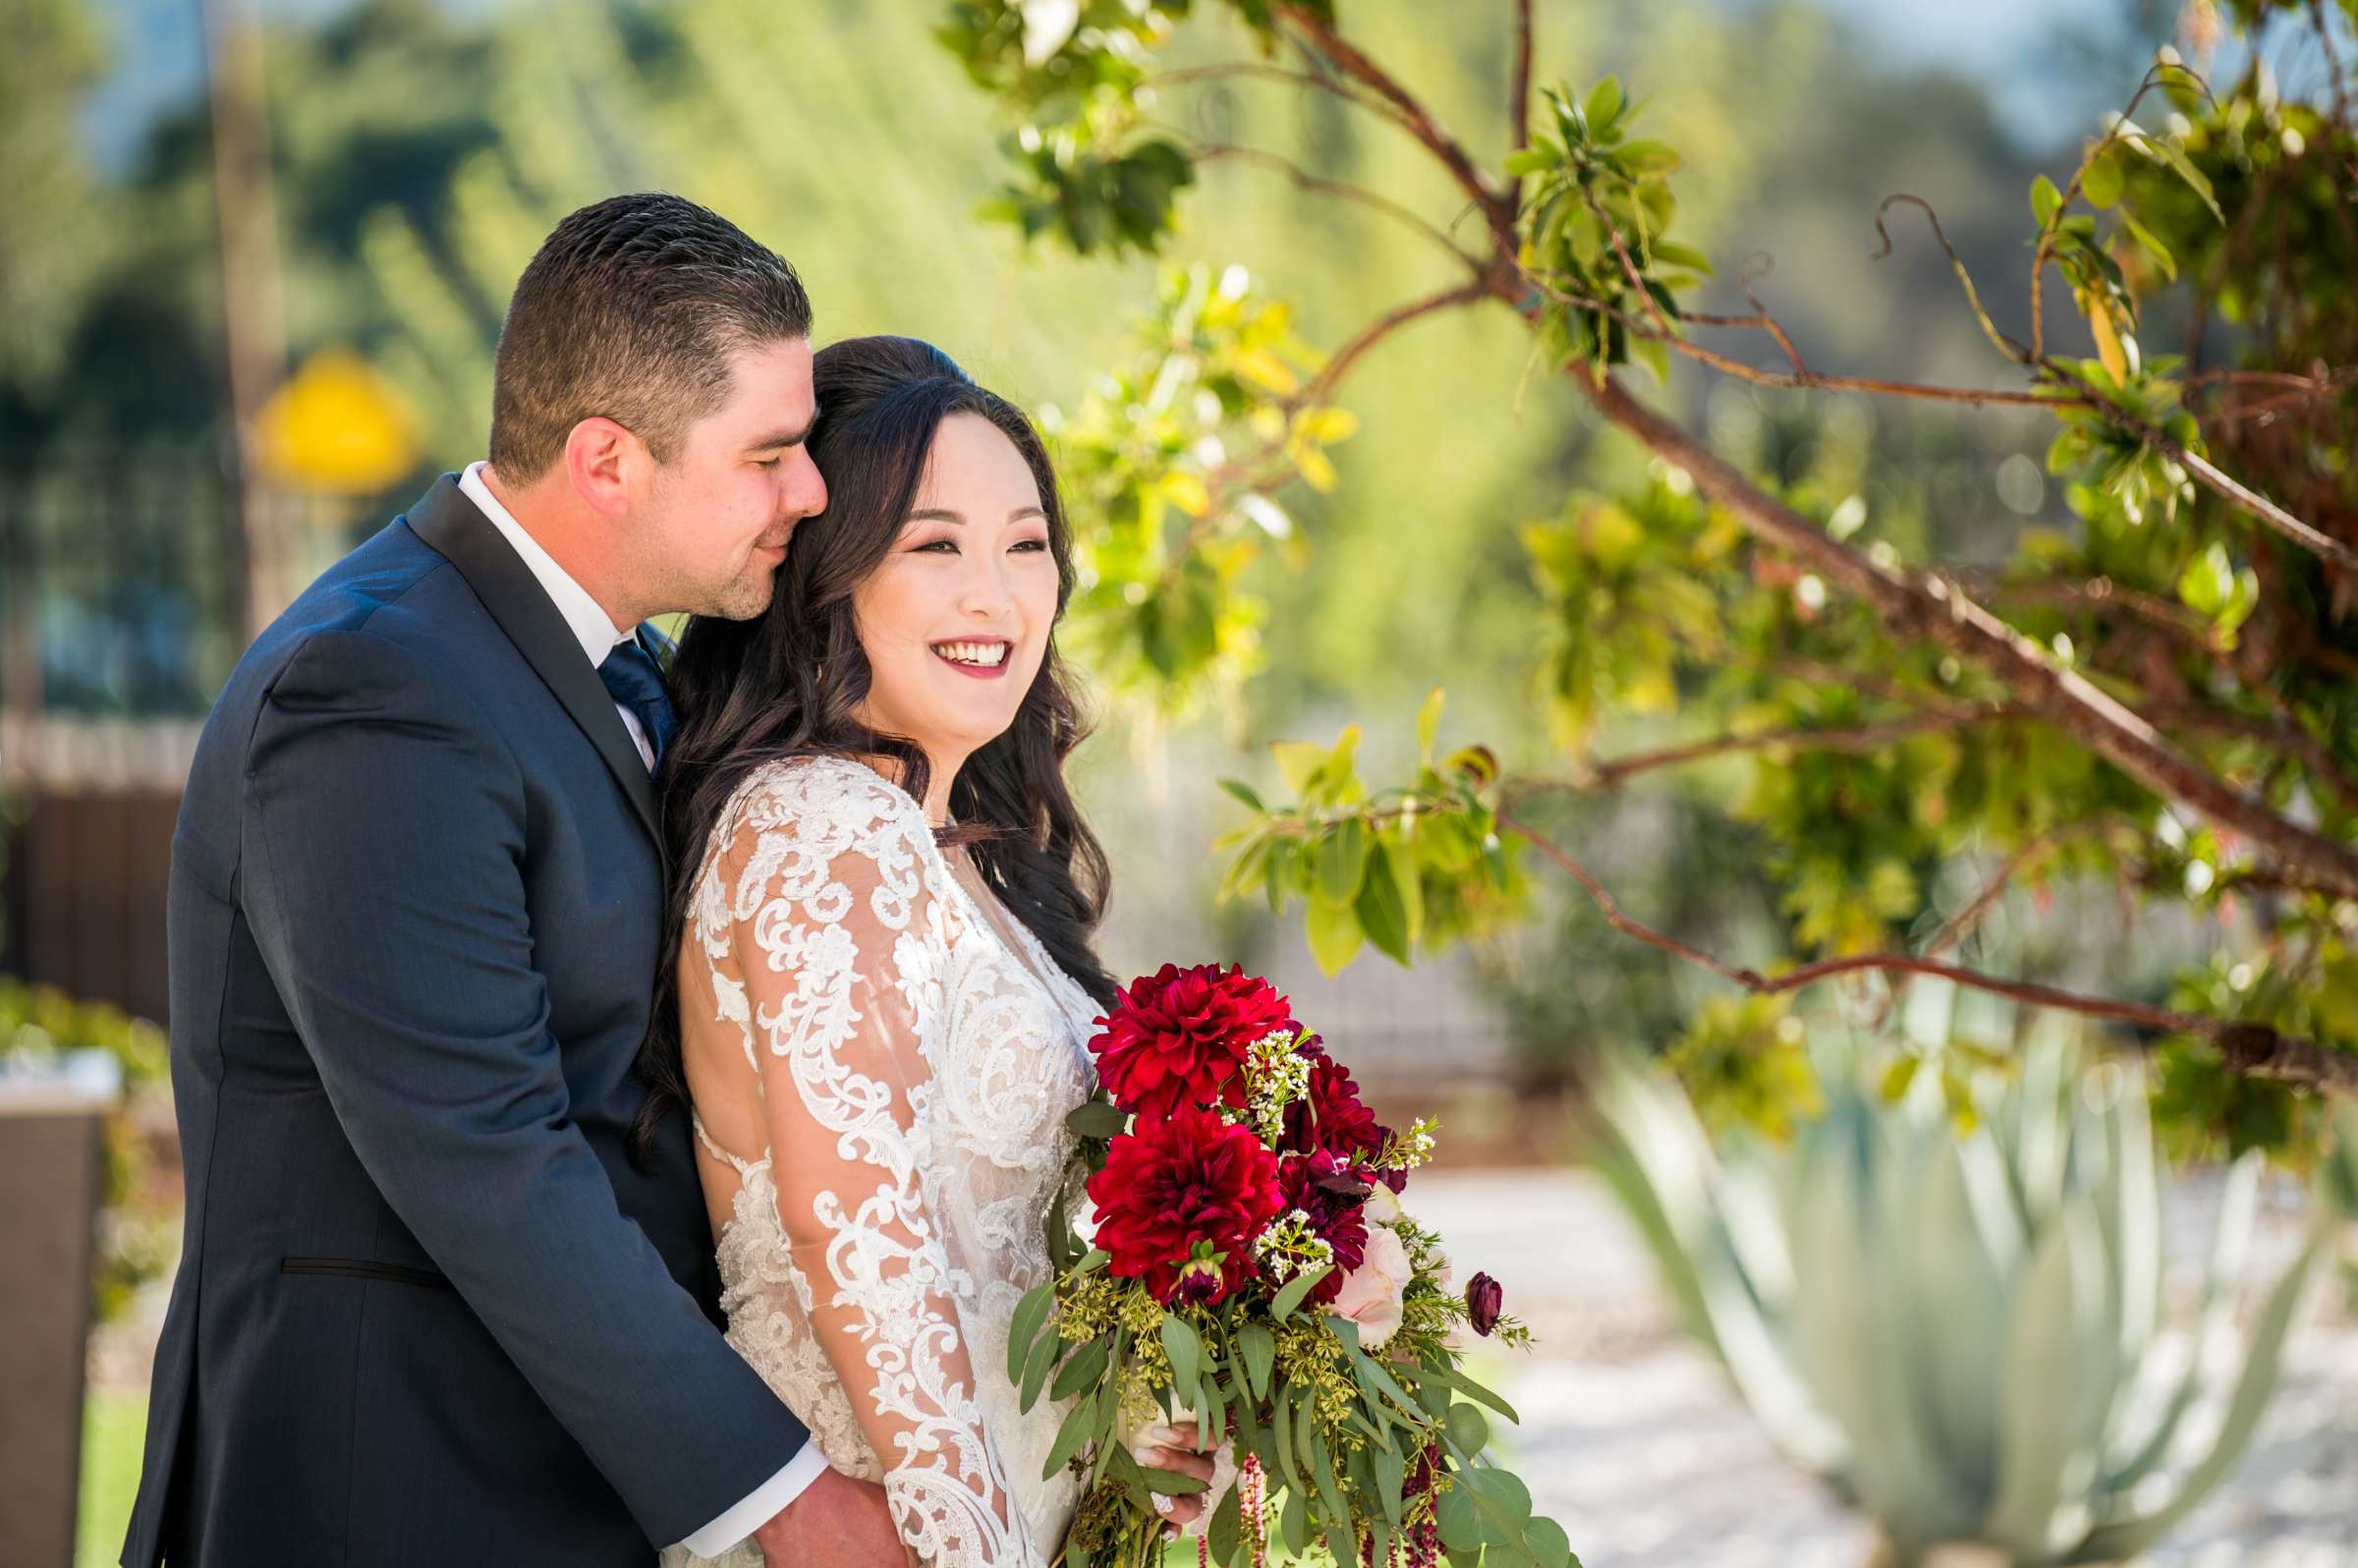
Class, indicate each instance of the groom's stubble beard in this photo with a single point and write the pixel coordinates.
(748, 594)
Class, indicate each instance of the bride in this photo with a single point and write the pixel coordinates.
(882, 903)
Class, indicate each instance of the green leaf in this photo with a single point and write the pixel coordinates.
(2153, 248)
(1170, 1482)
(1258, 1347)
(1227, 1526)
(1372, 1374)
(1409, 884)
(1647, 157)
(1342, 861)
(1392, 1474)
(1468, 1430)
(1282, 1307)
(2169, 153)
(1244, 793)
(1094, 1259)
(2101, 185)
(1669, 252)
(1460, 1520)
(1179, 1342)
(1029, 1314)
(1293, 1522)
(1082, 1372)
(1037, 1366)
(1320, 1465)
(1506, 1504)
(1428, 725)
(2046, 201)
(1282, 1428)
(1334, 935)
(1069, 1437)
(1298, 763)
(1383, 913)
(1473, 1390)
(1549, 1546)
(1530, 161)
(1212, 1406)
(1096, 1119)
(1603, 106)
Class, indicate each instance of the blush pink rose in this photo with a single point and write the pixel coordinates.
(1370, 1292)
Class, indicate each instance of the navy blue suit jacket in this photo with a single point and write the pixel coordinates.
(428, 1312)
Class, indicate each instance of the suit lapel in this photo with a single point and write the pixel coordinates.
(446, 519)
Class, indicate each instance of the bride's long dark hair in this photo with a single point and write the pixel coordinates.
(786, 683)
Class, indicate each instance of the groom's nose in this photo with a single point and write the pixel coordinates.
(805, 488)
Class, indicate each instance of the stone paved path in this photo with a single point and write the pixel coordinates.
(1635, 1442)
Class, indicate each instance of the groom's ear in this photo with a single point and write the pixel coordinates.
(607, 465)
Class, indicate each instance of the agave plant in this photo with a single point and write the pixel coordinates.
(1961, 1330)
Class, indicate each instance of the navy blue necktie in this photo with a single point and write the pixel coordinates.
(633, 677)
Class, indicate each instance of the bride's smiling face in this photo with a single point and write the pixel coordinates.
(955, 620)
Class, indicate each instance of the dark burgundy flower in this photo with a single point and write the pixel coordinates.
(1172, 1183)
(1179, 1038)
(1332, 1116)
(1483, 1297)
(1334, 1200)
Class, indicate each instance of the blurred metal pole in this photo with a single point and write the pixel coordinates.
(253, 331)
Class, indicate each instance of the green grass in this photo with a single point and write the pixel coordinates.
(113, 1427)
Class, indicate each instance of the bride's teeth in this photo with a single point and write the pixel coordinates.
(983, 654)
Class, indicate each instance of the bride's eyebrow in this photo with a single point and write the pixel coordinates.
(942, 514)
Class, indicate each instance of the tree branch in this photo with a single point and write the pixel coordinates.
(1209, 151)
(1320, 387)
(1933, 607)
(2235, 493)
(2254, 1048)
(1611, 773)
(1519, 104)
(1269, 72)
(1345, 56)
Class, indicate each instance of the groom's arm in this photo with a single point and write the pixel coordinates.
(383, 838)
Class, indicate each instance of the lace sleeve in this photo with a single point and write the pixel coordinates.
(837, 934)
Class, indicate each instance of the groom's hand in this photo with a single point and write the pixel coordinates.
(836, 1521)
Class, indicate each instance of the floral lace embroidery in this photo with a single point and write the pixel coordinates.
(913, 1074)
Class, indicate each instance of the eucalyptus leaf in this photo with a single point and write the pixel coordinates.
(1079, 1423)
(1186, 1351)
(1468, 1430)
(1046, 1349)
(1225, 1536)
(1082, 1372)
(1257, 1348)
(1030, 1314)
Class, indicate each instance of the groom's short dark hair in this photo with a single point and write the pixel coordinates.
(632, 310)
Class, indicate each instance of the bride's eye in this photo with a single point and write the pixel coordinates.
(937, 546)
(1029, 544)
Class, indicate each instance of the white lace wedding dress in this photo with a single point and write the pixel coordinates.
(912, 1053)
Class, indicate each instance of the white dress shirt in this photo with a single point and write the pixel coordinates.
(595, 629)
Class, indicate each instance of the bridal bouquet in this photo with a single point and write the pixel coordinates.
(1248, 1267)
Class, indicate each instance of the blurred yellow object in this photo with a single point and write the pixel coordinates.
(336, 427)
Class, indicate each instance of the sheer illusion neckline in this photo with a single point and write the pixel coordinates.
(981, 908)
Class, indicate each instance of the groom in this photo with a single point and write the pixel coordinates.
(429, 1311)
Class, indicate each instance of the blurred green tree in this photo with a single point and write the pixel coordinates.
(2157, 698)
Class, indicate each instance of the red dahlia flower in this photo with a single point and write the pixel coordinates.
(1179, 1038)
(1332, 1116)
(1334, 1200)
(1171, 1183)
